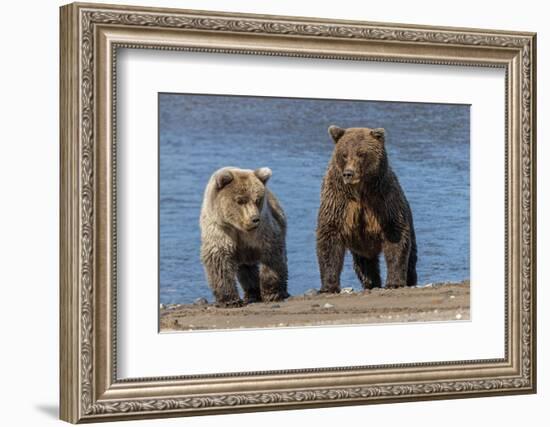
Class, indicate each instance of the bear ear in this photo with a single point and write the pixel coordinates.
(379, 134)
(223, 178)
(263, 174)
(336, 133)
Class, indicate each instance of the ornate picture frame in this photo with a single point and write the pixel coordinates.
(90, 37)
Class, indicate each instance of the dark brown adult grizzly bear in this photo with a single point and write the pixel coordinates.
(243, 232)
(363, 209)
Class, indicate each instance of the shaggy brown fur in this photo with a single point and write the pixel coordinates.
(363, 209)
(243, 231)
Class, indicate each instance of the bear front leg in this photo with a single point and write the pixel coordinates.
(221, 275)
(330, 255)
(274, 279)
(367, 270)
(249, 278)
(397, 262)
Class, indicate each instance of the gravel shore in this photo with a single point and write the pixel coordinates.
(432, 302)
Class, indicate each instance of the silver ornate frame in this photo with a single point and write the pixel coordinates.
(90, 36)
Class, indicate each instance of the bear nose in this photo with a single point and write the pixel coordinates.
(255, 219)
(348, 173)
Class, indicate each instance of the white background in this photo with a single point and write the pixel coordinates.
(29, 175)
(145, 353)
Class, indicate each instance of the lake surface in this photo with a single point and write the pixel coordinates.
(428, 147)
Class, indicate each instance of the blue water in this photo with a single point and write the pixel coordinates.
(428, 146)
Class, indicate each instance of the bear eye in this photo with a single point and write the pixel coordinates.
(242, 200)
(345, 156)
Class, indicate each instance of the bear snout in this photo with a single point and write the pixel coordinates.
(254, 222)
(348, 175)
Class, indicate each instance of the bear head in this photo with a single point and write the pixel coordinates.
(240, 196)
(359, 154)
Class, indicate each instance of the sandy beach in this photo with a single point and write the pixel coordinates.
(433, 302)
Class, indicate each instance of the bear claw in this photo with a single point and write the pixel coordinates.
(274, 297)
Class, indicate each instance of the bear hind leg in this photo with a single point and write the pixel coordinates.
(249, 278)
(412, 278)
(367, 270)
(273, 281)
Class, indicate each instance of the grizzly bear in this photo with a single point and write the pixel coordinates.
(243, 232)
(364, 210)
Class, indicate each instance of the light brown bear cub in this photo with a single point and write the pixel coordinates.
(243, 232)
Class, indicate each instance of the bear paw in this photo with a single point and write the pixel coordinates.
(330, 290)
(252, 298)
(229, 304)
(394, 285)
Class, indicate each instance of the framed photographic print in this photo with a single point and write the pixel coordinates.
(266, 212)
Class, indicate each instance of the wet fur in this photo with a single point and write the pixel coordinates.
(228, 252)
(366, 218)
